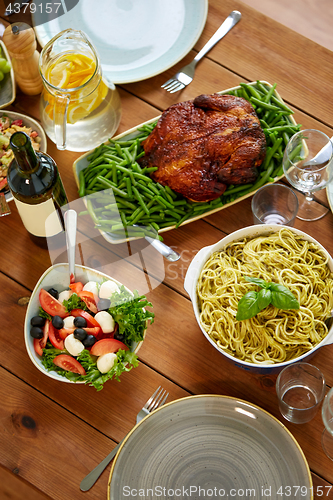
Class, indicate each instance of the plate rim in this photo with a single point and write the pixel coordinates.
(123, 81)
(220, 396)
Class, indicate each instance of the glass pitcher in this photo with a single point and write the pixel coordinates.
(79, 108)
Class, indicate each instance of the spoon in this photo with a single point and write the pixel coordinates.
(161, 247)
(70, 230)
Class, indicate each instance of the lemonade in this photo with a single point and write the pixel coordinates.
(79, 107)
(72, 71)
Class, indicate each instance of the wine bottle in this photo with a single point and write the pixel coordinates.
(38, 192)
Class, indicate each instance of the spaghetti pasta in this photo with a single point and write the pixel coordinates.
(273, 335)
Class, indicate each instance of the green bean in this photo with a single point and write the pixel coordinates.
(270, 93)
(82, 186)
(284, 128)
(237, 189)
(250, 89)
(140, 200)
(107, 183)
(282, 105)
(263, 104)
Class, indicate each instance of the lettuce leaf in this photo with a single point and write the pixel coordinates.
(126, 360)
(127, 310)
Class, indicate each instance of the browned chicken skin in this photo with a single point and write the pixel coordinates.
(203, 145)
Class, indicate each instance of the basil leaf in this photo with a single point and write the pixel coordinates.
(264, 298)
(257, 281)
(282, 297)
(248, 306)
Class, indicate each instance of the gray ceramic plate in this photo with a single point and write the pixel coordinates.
(223, 445)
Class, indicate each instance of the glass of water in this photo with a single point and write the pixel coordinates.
(300, 388)
(308, 166)
(274, 204)
(327, 416)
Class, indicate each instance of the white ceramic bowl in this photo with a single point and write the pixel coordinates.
(57, 276)
(192, 276)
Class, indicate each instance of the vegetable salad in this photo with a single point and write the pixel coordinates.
(7, 129)
(86, 333)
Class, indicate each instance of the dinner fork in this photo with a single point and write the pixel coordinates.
(185, 75)
(155, 401)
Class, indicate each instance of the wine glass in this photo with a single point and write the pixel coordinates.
(327, 416)
(308, 166)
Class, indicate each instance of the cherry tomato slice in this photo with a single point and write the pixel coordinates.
(77, 287)
(64, 332)
(106, 346)
(39, 344)
(91, 322)
(55, 337)
(51, 305)
(90, 299)
(68, 363)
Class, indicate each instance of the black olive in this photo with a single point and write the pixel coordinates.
(57, 322)
(37, 321)
(54, 293)
(103, 304)
(36, 332)
(80, 334)
(89, 341)
(119, 336)
(80, 322)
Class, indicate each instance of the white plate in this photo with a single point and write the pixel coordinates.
(210, 442)
(135, 39)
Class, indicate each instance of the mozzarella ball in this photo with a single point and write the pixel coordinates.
(107, 289)
(69, 322)
(106, 362)
(105, 321)
(91, 286)
(73, 345)
(64, 295)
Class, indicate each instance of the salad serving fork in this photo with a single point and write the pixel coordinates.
(185, 75)
(155, 401)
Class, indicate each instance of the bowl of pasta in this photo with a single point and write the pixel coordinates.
(263, 296)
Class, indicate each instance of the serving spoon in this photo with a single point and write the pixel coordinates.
(70, 231)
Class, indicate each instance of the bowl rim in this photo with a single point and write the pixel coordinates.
(200, 259)
(36, 360)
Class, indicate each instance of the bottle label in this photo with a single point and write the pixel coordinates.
(40, 220)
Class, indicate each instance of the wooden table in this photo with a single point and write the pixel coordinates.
(53, 434)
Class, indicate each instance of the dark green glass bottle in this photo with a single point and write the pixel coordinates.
(38, 192)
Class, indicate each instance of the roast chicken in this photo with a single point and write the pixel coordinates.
(203, 145)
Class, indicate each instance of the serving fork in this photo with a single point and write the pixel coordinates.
(155, 401)
(185, 75)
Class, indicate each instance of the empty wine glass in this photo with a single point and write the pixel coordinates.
(308, 166)
(327, 416)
